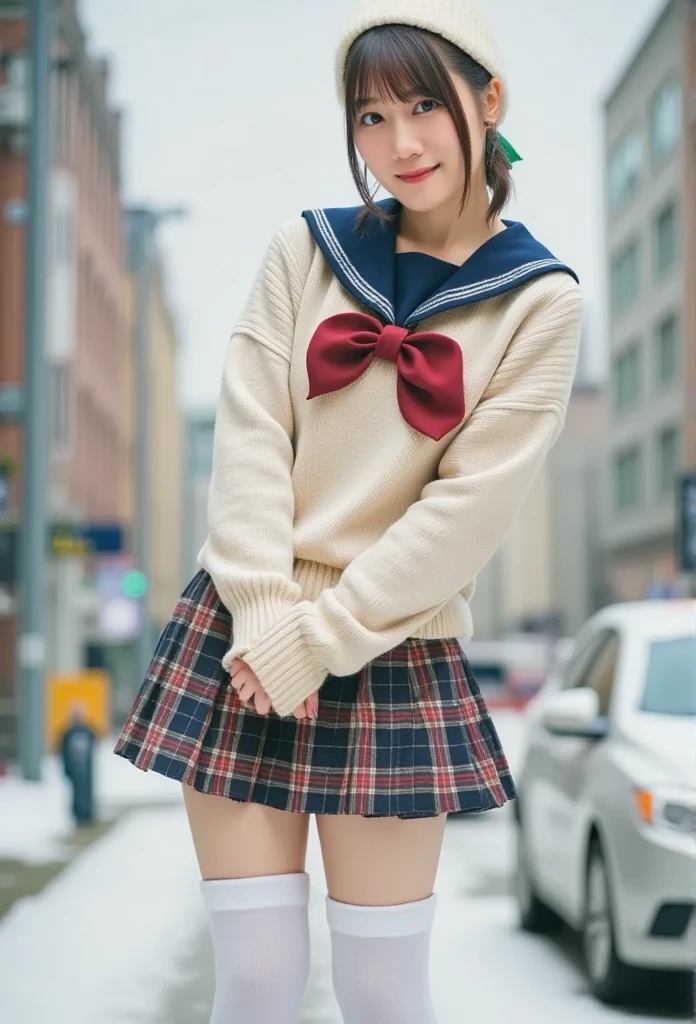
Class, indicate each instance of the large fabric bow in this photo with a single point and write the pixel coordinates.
(430, 382)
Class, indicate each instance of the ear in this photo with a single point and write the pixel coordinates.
(492, 101)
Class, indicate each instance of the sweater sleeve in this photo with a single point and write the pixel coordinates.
(446, 537)
(249, 548)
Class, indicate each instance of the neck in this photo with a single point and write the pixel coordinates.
(448, 232)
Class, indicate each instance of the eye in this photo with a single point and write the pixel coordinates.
(364, 119)
(426, 106)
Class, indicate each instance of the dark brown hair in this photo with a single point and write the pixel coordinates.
(396, 62)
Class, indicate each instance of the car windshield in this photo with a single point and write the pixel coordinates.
(670, 687)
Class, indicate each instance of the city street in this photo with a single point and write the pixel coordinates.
(119, 936)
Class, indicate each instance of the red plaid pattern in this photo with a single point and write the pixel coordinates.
(407, 736)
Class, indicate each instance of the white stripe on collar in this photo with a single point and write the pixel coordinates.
(374, 298)
(430, 306)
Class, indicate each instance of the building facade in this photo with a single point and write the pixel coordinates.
(166, 444)
(651, 269)
(86, 331)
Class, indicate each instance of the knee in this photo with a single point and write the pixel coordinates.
(264, 973)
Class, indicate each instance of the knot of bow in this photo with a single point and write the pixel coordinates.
(430, 378)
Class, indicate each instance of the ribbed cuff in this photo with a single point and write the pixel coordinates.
(285, 666)
(381, 922)
(252, 621)
(256, 893)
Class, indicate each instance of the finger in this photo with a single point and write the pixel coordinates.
(237, 666)
(262, 702)
(238, 679)
(247, 690)
(301, 711)
(312, 705)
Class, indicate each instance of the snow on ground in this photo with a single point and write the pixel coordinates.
(105, 939)
(35, 816)
(110, 935)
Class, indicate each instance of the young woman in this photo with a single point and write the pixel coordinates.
(396, 380)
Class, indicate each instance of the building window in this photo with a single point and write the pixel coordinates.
(665, 121)
(667, 461)
(625, 165)
(628, 476)
(665, 239)
(627, 379)
(624, 278)
(667, 345)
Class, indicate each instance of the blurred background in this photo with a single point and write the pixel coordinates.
(148, 150)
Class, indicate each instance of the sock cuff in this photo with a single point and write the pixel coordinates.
(381, 922)
(256, 893)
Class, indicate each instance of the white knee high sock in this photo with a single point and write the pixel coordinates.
(381, 962)
(260, 932)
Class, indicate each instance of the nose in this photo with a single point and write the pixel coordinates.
(405, 141)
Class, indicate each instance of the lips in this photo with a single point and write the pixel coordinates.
(420, 174)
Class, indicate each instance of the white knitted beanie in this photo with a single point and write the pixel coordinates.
(462, 22)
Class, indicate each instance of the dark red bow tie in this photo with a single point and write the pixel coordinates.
(430, 383)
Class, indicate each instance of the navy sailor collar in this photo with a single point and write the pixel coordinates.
(363, 261)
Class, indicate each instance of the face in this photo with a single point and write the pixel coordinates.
(413, 150)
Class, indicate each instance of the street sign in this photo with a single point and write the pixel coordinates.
(72, 540)
(686, 518)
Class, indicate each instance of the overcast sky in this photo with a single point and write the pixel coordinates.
(230, 109)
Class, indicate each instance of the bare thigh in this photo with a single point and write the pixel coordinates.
(236, 840)
(380, 861)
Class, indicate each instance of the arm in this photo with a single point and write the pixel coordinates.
(249, 548)
(447, 536)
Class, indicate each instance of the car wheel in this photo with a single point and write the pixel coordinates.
(534, 914)
(611, 979)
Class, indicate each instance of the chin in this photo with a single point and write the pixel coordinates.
(427, 201)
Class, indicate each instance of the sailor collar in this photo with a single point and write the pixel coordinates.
(363, 261)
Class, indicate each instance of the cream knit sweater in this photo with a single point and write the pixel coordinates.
(336, 530)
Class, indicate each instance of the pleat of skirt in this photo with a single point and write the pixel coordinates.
(408, 736)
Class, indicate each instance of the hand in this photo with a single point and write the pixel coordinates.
(251, 692)
(308, 708)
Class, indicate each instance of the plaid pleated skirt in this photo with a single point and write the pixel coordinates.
(407, 736)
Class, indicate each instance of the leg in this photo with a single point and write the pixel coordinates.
(380, 874)
(252, 861)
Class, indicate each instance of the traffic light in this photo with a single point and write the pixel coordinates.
(135, 583)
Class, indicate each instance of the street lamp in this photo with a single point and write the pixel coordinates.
(142, 224)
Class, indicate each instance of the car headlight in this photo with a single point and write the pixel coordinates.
(671, 810)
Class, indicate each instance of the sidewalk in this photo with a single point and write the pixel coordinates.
(120, 937)
(38, 839)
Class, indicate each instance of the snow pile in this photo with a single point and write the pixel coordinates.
(35, 816)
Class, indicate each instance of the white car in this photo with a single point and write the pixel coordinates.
(607, 800)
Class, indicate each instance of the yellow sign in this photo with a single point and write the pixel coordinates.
(85, 693)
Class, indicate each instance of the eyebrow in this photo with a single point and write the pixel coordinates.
(369, 101)
(366, 101)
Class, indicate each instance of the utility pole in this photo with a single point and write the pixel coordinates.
(32, 594)
(142, 223)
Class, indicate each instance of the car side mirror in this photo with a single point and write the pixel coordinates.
(575, 713)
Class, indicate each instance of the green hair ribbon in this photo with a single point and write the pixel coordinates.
(509, 150)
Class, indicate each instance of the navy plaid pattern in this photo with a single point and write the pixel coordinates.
(407, 736)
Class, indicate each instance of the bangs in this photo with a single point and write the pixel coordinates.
(394, 63)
